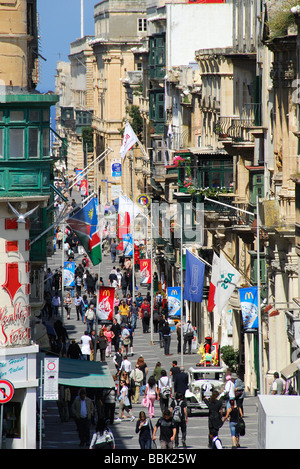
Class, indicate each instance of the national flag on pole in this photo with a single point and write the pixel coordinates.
(194, 278)
(106, 303)
(85, 225)
(126, 213)
(129, 140)
(228, 279)
(213, 283)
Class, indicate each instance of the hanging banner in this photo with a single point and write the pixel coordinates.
(116, 169)
(174, 301)
(106, 303)
(145, 266)
(69, 274)
(128, 244)
(249, 307)
(79, 176)
(84, 188)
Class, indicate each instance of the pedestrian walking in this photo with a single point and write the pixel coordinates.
(86, 347)
(103, 437)
(164, 391)
(89, 318)
(233, 414)
(116, 329)
(239, 391)
(83, 412)
(166, 334)
(188, 335)
(74, 351)
(55, 304)
(145, 312)
(181, 381)
(180, 418)
(102, 342)
(113, 250)
(145, 430)
(167, 430)
(150, 395)
(78, 302)
(136, 376)
(229, 390)
(124, 403)
(109, 337)
(215, 409)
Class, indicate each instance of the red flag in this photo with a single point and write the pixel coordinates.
(106, 303)
(213, 283)
(123, 225)
(145, 266)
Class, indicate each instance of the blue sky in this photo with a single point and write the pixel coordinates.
(60, 22)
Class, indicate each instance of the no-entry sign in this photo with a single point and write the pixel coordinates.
(6, 391)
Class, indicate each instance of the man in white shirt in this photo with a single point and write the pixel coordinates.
(125, 365)
(86, 347)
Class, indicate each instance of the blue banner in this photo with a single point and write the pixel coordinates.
(249, 307)
(116, 169)
(69, 274)
(174, 301)
(128, 245)
(194, 278)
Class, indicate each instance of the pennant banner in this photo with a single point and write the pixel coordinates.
(228, 279)
(249, 307)
(145, 266)
(194, 278)
(85, 225)
(106, 303)
(69, 274)
(174, 301)
(213, 283)
(129, 140)
(128, 245)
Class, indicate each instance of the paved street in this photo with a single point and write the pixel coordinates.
(64, 436)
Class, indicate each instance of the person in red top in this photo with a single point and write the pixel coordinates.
(145, 312)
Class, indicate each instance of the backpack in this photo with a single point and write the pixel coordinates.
(177, 412)
(165, 391)
(146, 313)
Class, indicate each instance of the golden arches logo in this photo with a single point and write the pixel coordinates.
(249, 296)
(174, 292)
(106, 293)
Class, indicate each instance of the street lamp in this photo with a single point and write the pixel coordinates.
(260, 348)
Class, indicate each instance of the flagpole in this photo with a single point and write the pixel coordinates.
(181, 289)
(133, 233)
(151, 273)
(63, 273)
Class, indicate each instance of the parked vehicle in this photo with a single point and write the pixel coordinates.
(202, 381)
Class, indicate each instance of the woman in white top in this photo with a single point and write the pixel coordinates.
(86, 342)
(229, 388)
(124, 402)
(163, 390)
(150, 394)
(103, 437)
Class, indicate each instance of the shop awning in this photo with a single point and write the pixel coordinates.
(291, 369)
(84, 374)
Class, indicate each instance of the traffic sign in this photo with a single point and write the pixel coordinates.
(7, 391)
(51, 372)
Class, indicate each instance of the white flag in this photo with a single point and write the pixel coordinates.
(226, 284)
(129, 140)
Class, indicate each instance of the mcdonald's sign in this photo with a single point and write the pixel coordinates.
(105, 309)
(174, 301)
(145, 267)
(249, 307)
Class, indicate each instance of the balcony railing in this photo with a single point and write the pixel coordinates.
(237, 127)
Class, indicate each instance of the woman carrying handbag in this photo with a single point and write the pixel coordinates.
(234, 414)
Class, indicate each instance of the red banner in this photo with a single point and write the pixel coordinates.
(106, 303)
(84, 187)
(145, 266)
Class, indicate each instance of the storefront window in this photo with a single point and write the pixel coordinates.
(12, 420)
